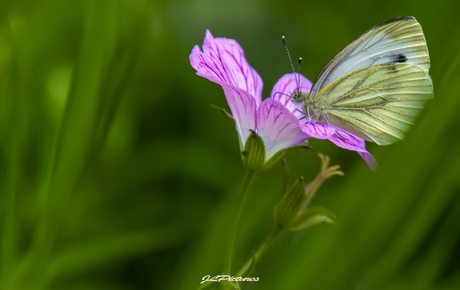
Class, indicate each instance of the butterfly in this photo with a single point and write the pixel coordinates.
(376, 86)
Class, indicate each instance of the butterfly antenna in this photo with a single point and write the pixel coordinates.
(290, 61)
(298, 73)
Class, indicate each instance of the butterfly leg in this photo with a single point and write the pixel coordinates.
(340, 136)
(280, 94)
(305, 115)
(321, 120)
(297, 110)
(336, 132)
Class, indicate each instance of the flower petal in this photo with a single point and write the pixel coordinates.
(351, 142)
(223, 61)
(286, 86)
(243, 107)
(347, 140)
(340, 138)
(370, 160)
(278, 127)
(318, 131)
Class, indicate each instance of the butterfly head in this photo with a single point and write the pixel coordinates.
(298, 97)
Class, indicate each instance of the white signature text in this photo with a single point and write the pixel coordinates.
(219, 278)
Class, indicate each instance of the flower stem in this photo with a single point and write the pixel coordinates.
(7, 219)
(235, 218)
(260, 251)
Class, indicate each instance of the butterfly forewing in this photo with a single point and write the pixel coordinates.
(398, 40)
(377, 103)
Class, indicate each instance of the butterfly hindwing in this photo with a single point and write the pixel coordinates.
(377, 103)
(398, 40)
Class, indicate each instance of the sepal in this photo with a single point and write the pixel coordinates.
(223, 111)
(254, 152)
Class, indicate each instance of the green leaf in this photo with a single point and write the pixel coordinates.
(253, 262)
(87, 256)
(312, 216)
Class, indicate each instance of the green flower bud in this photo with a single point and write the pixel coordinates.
(292, 213)
(288, 207)
(254, 152)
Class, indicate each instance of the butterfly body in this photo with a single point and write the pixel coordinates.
(375, 87)
(299, 97)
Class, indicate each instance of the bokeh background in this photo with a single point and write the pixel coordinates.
(115, 173)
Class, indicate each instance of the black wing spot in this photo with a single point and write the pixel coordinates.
(399, 58)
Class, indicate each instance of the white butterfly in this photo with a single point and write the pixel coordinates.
(376, 86)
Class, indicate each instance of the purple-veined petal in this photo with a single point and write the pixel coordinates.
(347, 140)
(318, 131)
(340, 138)
(243, 107)
(370, 160)
(223, 61)
(286, 86)
(351, 142)
(278, 127)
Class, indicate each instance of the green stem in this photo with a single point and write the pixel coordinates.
(235, 218)
(260, 251)
(8, 239)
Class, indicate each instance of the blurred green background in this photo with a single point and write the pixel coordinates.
(115, 173)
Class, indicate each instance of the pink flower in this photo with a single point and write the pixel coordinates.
(275, 119)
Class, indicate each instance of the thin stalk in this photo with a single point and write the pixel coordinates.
(8, 239)
(235, 218)
(260, 251)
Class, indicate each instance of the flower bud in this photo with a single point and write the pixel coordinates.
(288, 207)
(292, 213)
(254, 152)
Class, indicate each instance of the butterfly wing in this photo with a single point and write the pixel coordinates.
(398, 40)
(377, 103)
